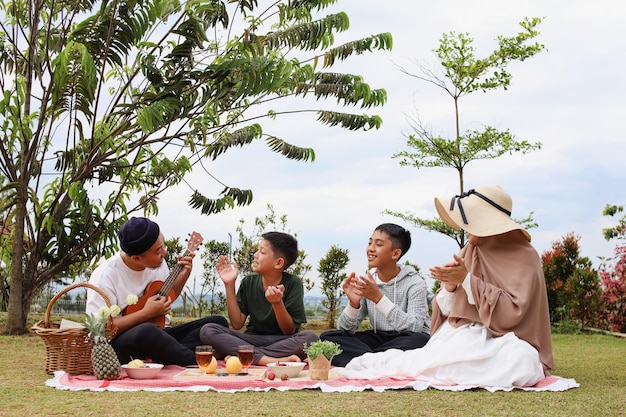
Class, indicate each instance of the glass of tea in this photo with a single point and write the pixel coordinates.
(204, 356)
(246, 356)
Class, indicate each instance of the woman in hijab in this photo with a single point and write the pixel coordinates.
(490, 324)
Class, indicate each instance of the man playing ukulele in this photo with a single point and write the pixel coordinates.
(144, 330)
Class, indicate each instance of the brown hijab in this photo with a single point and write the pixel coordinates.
(509, 290)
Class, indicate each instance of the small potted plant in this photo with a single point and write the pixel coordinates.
(320, 353)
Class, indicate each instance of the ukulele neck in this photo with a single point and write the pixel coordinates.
(171, 279)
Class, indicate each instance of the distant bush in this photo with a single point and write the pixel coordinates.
(573, 286)
(613, 283)
(566, 327)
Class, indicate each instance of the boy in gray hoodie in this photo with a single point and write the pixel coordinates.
(393, 295)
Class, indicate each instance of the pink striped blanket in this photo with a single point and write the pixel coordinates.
(175, 378)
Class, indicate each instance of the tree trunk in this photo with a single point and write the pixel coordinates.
(17, 311)
(331, 316)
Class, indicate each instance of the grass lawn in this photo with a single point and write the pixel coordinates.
(597, 362)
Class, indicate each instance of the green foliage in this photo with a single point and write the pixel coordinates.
(464, 73)
(173, 250)
(618, 231)
(429, 151)
(330, 269)
(567, 327)
(573, 286)
(322, 347)
(104, 106)
(468, 73)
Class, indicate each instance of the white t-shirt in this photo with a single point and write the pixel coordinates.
(118, 281)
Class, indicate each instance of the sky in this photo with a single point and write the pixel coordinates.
(569, 97)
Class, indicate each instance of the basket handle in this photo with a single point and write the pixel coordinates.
(68, 289)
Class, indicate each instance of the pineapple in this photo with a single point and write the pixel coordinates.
(104, 360)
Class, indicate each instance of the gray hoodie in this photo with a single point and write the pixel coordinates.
(404, 305)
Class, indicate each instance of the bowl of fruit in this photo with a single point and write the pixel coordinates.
(285, 370)
(138, 369)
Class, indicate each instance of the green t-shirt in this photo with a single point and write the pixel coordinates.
(261, 317)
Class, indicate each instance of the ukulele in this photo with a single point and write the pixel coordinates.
(164, 288)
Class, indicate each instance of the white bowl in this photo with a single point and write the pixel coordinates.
(149, 371)
(291, 369)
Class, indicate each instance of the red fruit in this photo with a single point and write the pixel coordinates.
(284, 377)
(270, 375)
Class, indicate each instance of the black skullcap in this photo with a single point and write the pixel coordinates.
(138, 235)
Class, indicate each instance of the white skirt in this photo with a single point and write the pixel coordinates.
(466, 355)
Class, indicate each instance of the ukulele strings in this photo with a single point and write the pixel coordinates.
(169, 282)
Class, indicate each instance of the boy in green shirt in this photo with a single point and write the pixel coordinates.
(270, 298)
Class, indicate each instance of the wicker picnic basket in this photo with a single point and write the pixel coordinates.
(68, 349)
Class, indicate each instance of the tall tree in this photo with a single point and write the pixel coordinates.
(331, 269)
(463, 74)
(105, 105)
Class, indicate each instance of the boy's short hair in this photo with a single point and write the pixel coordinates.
(399, 236)
(285, 246)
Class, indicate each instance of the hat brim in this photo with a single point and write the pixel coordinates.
(496, 223)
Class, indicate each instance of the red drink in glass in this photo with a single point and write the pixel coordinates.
(246, 356)
(204, 357)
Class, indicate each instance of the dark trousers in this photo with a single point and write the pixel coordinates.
(170, 346)
(358, 343)
(226, 340)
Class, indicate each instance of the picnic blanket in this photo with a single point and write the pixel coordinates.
(176, 378)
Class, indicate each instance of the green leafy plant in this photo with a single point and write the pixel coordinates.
(322, 347)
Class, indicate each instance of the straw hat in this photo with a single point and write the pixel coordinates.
(482, 211)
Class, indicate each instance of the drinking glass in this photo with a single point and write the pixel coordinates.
(204, 356)
(246, 356)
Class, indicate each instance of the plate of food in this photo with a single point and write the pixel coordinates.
(138, 369)
(291, 369)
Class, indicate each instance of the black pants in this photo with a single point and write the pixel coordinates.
(170, 346)
(225, 342)
(356, 344)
